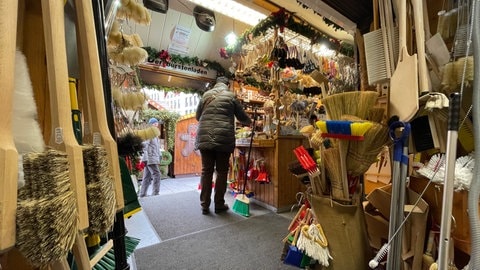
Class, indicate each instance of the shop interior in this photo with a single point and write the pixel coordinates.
(363, 125)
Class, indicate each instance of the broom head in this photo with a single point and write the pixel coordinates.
(241, 205)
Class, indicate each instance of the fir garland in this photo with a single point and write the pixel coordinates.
(283, 19)
(330, 23)
(170, 120)
(154, 54)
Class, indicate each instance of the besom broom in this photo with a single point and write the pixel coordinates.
(242, 202)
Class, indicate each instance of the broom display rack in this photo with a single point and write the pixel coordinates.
(40, 36)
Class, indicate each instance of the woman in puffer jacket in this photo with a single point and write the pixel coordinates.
(216, 115)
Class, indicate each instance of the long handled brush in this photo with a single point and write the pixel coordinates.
(242, 202)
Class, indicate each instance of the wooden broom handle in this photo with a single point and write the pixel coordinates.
(92, 80)
(8, 152)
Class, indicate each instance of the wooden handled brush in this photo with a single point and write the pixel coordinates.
(91, 84)
(8, 153)
(62, 137)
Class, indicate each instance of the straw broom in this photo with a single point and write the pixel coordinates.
(331, 161)
(357, 103)
(376, 114)
(362, 154)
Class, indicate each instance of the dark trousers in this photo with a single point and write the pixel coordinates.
(219, 161)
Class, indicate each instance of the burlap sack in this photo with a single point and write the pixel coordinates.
(344, 226)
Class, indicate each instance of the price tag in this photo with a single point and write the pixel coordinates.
(58, 135)
(97, 138)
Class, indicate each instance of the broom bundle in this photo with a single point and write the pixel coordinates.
(357, 103)
(128, 100)
(331, 161)
(376, 114)
(316, 140)
(147, 133)
(47, 218)
(456, 73)
(361, 154)
(100, 189)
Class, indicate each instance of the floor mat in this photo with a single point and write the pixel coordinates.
(178, 214)
(240, 243)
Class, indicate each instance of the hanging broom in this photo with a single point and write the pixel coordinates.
(242, 202)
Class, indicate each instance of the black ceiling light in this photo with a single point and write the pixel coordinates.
(204, 18)
(156, 5)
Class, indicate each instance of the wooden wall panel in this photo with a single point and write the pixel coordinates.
(280, 193)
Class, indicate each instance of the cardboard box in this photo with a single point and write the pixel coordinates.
(377, 226)
(414, 228)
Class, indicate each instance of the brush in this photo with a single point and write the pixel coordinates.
(356, 103)
(376, 114)
(344, 129)
(362, 154)
(44, 237)
(242, 202)
(128, 100)
(100, 189)
(331, 161)
(435, 168)
(307, 162)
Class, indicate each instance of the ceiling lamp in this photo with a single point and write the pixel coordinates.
(231, 39)
(204, 18)
(233, 10)
(156, 5)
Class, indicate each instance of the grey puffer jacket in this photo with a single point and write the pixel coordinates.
(216, 114)
(151, 151)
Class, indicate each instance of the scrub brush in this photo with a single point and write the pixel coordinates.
(435, 168)
(100, 189)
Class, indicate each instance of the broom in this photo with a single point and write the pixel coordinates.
(362, 154)
(357, 103)
(242, 202)
(331, 161)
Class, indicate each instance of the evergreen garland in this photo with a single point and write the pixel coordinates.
(169, 119)
(283, 19)
(153, 54)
